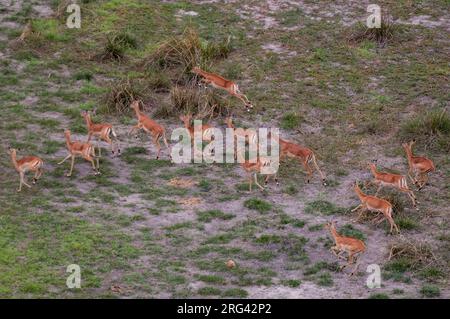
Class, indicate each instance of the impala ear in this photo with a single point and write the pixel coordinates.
(94, 111)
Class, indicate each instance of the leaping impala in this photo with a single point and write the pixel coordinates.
(352, 246)
(221, 83)
(102, 131)
(305, 155)
(397, 181)
(419, 166)
(374, 204)
(150, 126)
(25, 164)
(84, 150)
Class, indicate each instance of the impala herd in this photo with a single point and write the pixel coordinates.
(419, 167)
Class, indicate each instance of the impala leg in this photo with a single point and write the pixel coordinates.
(355, 269)
(39, 173)
(360, 214)
(36, 175)
(410, 195)
(378, 189)
(134, 128)
(71, 166)
(21, 181)
(256, 182)
(65, 159)
(110, 142)
(308, 170)
(424, 179)
(158, 145)
(250, 181)
(357, 207)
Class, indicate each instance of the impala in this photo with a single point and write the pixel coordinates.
(419, 166)
(253, 168)
(382, 179)
(375, 204)
(351, 246)
(249, 135)
(84, 150)
(303, 154)
(205, 129)
(150, 126)
(221, 83)
(103, 131)
(25, 164)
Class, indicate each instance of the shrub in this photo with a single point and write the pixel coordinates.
(120, 95)
(381, 35)
(201, 104)
(187, 51)
(432, 127)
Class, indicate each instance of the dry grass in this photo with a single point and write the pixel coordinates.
(381, 35)
(201, 103)
(418, 254)
(121, 94)
(181, 182)
(187, 51)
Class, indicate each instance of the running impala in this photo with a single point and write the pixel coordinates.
(349, 245)
(81, 149)
(25, 164)
(221, 83)
(303, 154)
(419, 166)
(397, 181)
(156, 130)
(374, 204)
(102, 131)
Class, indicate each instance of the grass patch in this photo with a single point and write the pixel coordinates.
(258, 204)
(379, 296)
(209, 291)
(323, 207)
(235, 293)
(432, 127)
(209, 215)
(290, 121)
(429, 291)
(350, 231)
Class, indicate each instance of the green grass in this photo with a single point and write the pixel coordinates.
(341, 100)
(293, 283)
(209, 215)
(350, 231)
(429, 291)
(323, 207)
(257, 204)
(379, 296)
(290, 121)
(209, 291)
(235, 293)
